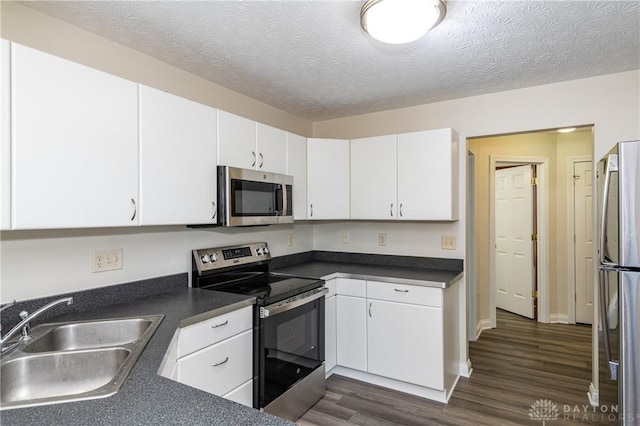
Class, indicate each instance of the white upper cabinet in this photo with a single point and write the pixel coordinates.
(74, 144)
(328, 179)
(236, 141)
(5, 136)
(249, 145)
(428, 175)
(297, 167)
(177, 160)
(271, 149)
(373, 178)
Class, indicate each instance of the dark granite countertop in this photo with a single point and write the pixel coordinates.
(147, 398)
(427, 277)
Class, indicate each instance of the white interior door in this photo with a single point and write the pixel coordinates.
(583, 259)
(514, 248)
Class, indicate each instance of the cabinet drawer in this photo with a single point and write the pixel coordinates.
(206, 333)
(417, 295)
(351, 287)
(242, 394)
(331, 285)
(219, 368)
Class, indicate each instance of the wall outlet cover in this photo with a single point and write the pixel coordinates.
(107, 260)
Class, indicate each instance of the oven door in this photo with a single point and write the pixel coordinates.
(291, 347)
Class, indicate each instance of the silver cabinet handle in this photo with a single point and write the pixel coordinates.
(220, 325)
(254, 158)
(311, 209)
(215, 211)
(220, 363)
(401, 291)
(370, 308)
(135, 209)
(391, 210)
(261, 160)
(400, 209)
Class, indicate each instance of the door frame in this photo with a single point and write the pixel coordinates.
(571, 230)
(542, 273)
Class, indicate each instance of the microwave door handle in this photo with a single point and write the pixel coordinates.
(611, 166)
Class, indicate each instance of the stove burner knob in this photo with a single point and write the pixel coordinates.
(213, 257)
(205, 258)
(259, 252)
(266, 250)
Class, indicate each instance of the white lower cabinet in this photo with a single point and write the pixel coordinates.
(215, 355)
(398, 336)
(404, 342)
(242, 394)
(219, 368)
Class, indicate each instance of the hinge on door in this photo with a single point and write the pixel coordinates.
(534, 294)
(534, 237)
(534, 181)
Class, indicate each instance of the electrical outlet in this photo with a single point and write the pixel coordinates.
(289, 239)
(107, 260)
(345, 237)
(382, 239)
(448, 243)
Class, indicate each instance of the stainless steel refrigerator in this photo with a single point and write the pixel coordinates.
(619, 282)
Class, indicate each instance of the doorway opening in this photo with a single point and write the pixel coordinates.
(552, 153)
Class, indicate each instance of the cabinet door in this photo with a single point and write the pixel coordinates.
(428, 175)
(177, 160)
(74, 144)
(297, 167)
(351, 335)
(5, 136)
(373, 178)
(330, 332)
(220, 368)
(272, 149)
(236, 141)
(242, 394)
(404, 342)
(328, 178)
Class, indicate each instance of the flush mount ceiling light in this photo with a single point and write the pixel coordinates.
(401, 21)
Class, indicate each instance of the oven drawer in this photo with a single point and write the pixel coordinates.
(214, 330)
(416, 295)
(220, 368)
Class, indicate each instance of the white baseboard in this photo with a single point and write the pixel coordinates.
(594, 398)
(421, 391)
(559, 318)
(482, 324)
(466, 369)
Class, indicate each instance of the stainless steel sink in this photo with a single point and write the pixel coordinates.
(82, 335)
(73, 361)
(59, 375)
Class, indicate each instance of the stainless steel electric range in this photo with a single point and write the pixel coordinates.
(288, 325)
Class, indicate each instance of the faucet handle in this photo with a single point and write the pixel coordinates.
(24, 314)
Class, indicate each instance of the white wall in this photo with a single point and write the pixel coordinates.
(42, 263)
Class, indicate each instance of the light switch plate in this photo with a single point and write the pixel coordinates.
(448, 243)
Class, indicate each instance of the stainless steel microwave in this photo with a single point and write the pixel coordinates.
(250, 197)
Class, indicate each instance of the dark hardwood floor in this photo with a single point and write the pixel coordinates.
(514, 366)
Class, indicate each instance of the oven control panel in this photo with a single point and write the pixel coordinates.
(210, 259)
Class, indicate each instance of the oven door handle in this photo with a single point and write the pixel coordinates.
(293, 302)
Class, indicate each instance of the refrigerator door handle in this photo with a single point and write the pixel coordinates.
(604, 286)
(612, 166)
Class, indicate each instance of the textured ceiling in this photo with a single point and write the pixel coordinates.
(311, 58)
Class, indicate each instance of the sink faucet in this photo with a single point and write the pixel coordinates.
(26, 318)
